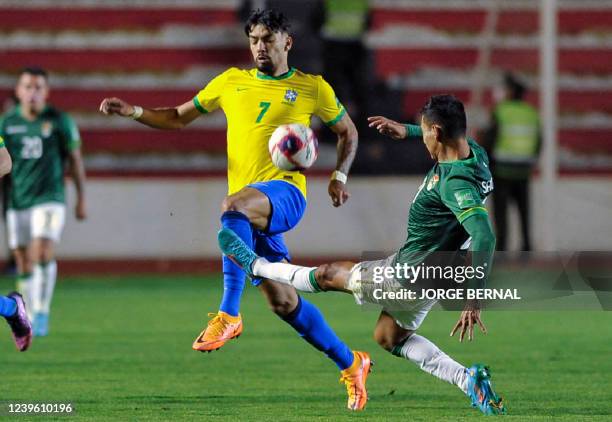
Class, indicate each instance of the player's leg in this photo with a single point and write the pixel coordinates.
(47, 225)
(24, 277)
(18, 233)
(326, 277)
(243, 212)
(406, 343)
(288, 205)
(44, 277)
(308, 322)
(397, 334)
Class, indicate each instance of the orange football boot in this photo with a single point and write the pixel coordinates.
(355, 378)
(221, 328)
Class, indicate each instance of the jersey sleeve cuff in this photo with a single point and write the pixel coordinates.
(413, 131)
(337, 118)
(470, 212)
(197, 105)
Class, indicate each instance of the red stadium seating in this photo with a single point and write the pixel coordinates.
(509, 21)
(88, 18)
(391, 59)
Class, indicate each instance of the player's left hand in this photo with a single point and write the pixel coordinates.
(469, 317)
(338, 193)
(80, 212)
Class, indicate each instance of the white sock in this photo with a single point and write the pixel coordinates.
(36, 288)
(293, 275)
(432, 360)
(24, 287)
(50, 275)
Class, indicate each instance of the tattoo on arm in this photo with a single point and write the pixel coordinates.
(347, 145)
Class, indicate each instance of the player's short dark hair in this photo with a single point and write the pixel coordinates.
(272, 19)
(34, 71)
(515, 86)
(447, 112)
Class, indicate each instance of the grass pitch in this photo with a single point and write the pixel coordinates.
(120, 348)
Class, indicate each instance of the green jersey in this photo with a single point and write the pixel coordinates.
(38, 149)
(451, 193)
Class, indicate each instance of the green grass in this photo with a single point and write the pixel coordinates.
(120, 348)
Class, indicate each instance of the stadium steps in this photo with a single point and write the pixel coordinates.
(148, 52)
(428, 47)
(472, 20)
(88, 18)
(151, 53)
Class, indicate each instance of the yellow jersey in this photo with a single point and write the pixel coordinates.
(255, 104)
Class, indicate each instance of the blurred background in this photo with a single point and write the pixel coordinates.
(154, 196)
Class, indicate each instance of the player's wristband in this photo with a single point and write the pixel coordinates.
(137, 113)
(339, 176)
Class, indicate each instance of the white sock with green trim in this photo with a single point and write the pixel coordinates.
(432, 360)
(50, 275)
(302, 278)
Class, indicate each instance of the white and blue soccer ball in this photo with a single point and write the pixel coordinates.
(293, 147)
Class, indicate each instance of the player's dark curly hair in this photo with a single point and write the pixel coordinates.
(447, 112)
(272, 19)
(34, 71)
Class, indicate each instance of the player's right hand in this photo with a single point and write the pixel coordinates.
(388, 127)
(468, 319)
(116, 106)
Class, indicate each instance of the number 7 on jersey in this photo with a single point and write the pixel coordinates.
(264, 108)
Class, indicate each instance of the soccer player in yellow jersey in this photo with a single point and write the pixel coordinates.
(263, 201)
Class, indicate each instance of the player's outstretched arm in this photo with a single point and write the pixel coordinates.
(482, 248)
(348, 139)
(395, 130)
(6, 164)
(77, 170)
(159, 118)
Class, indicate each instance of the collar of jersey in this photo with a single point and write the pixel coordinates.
(17, 110)
(465, 161)
(285, 75)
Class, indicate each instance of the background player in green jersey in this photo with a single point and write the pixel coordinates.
(40, 140)
(447, 214)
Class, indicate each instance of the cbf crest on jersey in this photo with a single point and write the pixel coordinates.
(291, 95)
(46, 128)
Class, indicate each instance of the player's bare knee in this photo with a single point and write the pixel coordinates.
(233, 203)
(24, 266)
(384, 340)
(46, 254)
(389, 339)
(324, 276)
(327, 276)
(282, 306)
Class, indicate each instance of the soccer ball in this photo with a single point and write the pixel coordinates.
(293, 147)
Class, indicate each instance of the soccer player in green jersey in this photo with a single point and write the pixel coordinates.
(40, 140)
(447, 214)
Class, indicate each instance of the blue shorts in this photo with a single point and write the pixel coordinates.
(288, 206)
